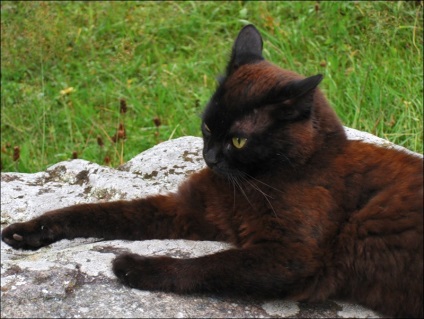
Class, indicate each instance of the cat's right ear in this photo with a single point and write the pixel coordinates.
(246, 49)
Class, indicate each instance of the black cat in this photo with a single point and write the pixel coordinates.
(311, 214)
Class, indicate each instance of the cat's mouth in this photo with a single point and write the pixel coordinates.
(218, 169)
(225, 171)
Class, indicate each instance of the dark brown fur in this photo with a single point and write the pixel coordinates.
(311, 214)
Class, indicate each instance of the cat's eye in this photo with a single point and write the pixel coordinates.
(207, 128)
(239, 142)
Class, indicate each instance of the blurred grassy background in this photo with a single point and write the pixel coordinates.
(78, 77)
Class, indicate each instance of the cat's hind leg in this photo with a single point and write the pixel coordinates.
(380, 255)
(259, 270)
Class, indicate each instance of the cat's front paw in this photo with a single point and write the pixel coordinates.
(28, 235)
(146, 273)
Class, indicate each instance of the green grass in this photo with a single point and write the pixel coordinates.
(162, 58)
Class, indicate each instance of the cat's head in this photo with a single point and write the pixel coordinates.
(262, 116)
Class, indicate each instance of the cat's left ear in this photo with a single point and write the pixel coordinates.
(246, 49)
(300, 88)
(298, 98)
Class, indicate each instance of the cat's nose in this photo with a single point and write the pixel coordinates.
(211, 158)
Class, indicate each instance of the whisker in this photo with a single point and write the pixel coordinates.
(231, 179)
(244, 178)
(263, 183)
(287, 160)
(242, 191)
(234, 195)
(257, 188)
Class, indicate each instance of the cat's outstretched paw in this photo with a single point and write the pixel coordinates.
(27, 235)
(146, 273)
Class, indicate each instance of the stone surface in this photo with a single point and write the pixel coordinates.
(74, 278)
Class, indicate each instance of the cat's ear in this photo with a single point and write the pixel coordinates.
(301, 88)
(298, 98)
(246, 49)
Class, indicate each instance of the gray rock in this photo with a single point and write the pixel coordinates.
(74, 278)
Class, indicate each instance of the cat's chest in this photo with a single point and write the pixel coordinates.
(255, 211)
(237, 209)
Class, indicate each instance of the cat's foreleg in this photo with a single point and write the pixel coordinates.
(260, 270)
(159, 217)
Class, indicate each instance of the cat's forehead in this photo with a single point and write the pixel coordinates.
(255, 82)
(234, 105)
(254, 122)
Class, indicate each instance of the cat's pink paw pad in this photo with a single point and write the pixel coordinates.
(24, 236)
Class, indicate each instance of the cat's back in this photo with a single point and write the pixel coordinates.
(371, 157)
(383, 188)
(375, 170)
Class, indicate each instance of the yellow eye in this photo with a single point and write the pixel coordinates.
(239, 142)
